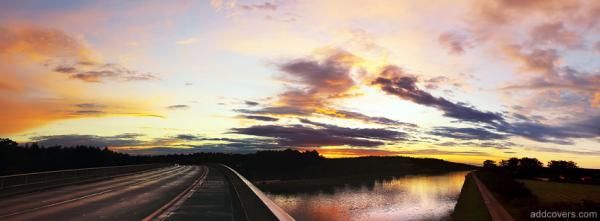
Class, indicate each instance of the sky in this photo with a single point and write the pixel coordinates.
(463, 80)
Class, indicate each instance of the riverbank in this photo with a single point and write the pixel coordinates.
(470, 205)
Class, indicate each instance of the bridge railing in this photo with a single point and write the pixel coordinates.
(30, 181)
(248, 196)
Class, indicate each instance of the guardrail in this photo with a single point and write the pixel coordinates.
(32, 181)
(248, 195)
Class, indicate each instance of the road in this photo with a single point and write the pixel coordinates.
(147, 195)
(497, 212)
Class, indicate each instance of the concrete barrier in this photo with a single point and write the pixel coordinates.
(253, 203)
(21, 183)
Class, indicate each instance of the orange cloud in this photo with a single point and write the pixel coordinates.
(18, 115)
(33, 94)
(42, 44)
(596, 101)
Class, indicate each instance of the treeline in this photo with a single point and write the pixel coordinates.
(262, 165)
(15, 158)
(532, 168)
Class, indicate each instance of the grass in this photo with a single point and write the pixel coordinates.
(555, 192)
(470, 205)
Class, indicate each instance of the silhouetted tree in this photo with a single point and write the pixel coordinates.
(529, 167)
(563, 170)
(511, 164)
(489, 164)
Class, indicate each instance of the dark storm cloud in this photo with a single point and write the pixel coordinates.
(467, 133)
(260, 118)
(251, 103)
(393, 80)
(322, 135)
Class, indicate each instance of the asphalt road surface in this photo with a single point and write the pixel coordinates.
(148, 195)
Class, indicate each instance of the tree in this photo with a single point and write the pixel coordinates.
(489, 164)
(562, 169)
(511, 164)
(562, 165)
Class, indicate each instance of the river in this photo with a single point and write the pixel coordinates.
(430, 197)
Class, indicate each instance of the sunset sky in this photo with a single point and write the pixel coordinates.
(463, 80)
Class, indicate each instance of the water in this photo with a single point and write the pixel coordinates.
(406, 198)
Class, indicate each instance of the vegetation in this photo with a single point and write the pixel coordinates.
(514, 183)
(554, 192)
(262, 165)
(532, 168)
(470, 205)
(32, 158)
(512, 194)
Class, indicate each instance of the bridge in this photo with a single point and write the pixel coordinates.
(136, 192)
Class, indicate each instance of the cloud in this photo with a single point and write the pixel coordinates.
(219, 5)
(555, 33)
(188, 137)
(394, 81)
(99, 72)
(251, 103)
(88, 112)
(322, 135)
(187, 41)
(260, 118)
(316, 82)
(456, 43)
(284, 110)
(558, 134)
(557, 150)
(40, 44)
(542, 61)
(34, 62)
(500, 145)
(128, 139)
(467, 133)
(441, 152)
(319, 81)
(326, 78)
(358, 116)
(267, 6)
(178, 107)
(596, 101)
(90, 105)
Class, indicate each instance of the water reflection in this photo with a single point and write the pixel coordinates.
(405, 198)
